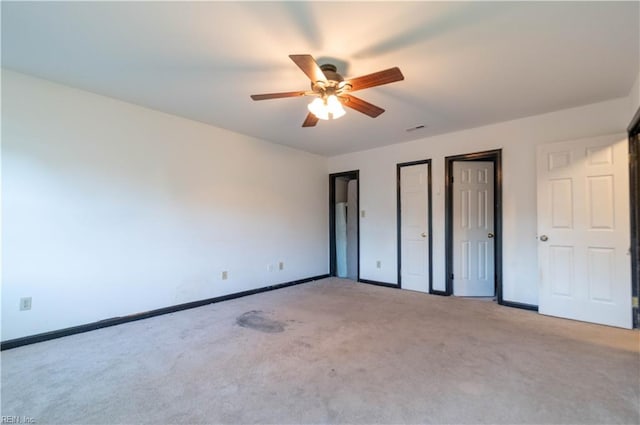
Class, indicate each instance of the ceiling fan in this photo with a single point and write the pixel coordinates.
(331, 90)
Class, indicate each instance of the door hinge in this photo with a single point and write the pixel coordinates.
(451, 276)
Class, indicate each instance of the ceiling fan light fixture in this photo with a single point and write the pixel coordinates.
(326, 108)
(335, 107)
(332, 92)
(319, 109)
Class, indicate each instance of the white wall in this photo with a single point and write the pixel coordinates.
(111, 209)
(517, 139)
(634, 99)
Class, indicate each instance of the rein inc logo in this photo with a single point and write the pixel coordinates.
(17, 420)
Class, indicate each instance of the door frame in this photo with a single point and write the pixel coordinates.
(429, 221)
(354, 174)
(494, 156)
(634, 205)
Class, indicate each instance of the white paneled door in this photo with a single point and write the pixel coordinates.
(583, 230)
(473, 237)
(414, 225)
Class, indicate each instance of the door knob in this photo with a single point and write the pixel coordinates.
(544, 238)
(490, 235)
(423, 234)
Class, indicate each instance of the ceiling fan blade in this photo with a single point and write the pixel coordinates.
(376, 79)
(361, 106)
(310, 121)
(309, 66)
(277, 95)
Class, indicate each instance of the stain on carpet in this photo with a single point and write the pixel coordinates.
(256, 320)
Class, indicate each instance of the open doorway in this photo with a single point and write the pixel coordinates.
(473, 224)
(344, 225)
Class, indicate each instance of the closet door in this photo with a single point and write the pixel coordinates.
(341, 239)
(352, 229)
(414, 227)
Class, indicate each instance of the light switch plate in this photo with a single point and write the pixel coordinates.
(25, 303)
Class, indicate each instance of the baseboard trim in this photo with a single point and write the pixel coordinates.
(375, 282)
(519, 305)
(46, 336)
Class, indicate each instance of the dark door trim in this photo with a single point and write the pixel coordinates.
(355, 174)
(494, 156)
(634, 205)
(429, 220)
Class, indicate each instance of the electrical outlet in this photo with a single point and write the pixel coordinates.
(225, 275)
(378, 264)
(281, 265)
(25, 303)
(362, 213)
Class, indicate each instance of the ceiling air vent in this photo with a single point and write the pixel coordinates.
(417, 127)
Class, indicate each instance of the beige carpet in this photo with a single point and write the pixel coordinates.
(332, 351)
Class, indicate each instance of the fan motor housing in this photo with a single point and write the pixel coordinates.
(330, 71)
(333, 83)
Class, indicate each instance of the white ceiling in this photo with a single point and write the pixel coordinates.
(465, 64)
